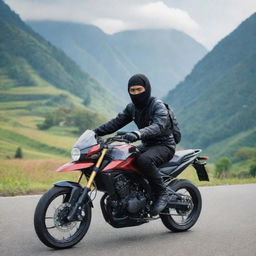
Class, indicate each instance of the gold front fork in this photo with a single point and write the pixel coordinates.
(97, 166)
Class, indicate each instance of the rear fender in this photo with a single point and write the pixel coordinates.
(76, 191)
(200, 170)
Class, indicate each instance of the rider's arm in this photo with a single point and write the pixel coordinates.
(160, 121)
(117, 123)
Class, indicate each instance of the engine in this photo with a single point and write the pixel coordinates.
(132, 199)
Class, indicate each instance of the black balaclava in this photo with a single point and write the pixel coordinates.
(140, 100)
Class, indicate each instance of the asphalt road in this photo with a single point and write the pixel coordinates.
(227, 226)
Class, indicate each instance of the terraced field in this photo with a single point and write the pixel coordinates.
(21, 109)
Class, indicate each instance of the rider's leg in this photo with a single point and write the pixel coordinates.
(147, 162)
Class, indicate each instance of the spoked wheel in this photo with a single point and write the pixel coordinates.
(50, 220)
(182, 220)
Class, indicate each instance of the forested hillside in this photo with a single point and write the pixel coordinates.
(26, 58)
(165, 56)
(216, 103)
(40, 87)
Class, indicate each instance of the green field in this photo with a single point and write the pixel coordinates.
(21, 109)
(30, 175)
(21, 132)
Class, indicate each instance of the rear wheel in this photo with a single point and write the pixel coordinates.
(50, 220)
(182, 220)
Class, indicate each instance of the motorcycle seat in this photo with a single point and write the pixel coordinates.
(179, 157)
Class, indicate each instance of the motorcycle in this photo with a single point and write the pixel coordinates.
(63, 214)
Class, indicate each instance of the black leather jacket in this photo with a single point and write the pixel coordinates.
(153, 122)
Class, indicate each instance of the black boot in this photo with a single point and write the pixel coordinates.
(161, 196)
(159, 204)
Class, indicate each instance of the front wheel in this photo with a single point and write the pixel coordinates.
(50, 220)
(182, 220)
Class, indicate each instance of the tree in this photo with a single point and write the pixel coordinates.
(69, 116)
(18, 153)
(253, 169)
(222, 167)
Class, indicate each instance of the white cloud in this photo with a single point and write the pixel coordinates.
(110, 26)
(158, 14)
(217, 18)
(110, 15)
(206, 21)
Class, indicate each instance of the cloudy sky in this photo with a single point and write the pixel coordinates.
(208, 21)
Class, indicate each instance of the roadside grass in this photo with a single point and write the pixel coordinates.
(32, 176)
(24, 176)
(191, 175)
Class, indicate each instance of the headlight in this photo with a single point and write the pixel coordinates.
(75, 154)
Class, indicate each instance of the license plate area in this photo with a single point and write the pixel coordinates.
(201, 171)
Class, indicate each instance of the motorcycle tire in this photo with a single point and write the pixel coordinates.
(48, 235)
(171, 220)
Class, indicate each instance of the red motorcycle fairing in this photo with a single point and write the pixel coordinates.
(121, 155)
(121, 152)
(93, 149)
(121, 165)
(74, 166)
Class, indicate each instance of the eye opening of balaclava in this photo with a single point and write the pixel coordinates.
(140, 100)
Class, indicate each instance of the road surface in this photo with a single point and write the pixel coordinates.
(227, 226)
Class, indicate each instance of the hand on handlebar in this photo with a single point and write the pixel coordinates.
(116, 138)
(123, 137)
(131, 136)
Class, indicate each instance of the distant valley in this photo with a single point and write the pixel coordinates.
(166, 56)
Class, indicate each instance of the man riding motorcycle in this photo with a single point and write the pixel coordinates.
(153, 121)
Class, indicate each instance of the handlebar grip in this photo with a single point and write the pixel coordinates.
(119, 139)
(120, 133)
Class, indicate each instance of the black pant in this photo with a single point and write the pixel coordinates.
(147, 162)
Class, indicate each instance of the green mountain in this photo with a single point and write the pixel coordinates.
(26, 58)
(216, 103)
(38, 80)
(166, 56)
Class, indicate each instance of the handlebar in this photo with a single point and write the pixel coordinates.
(116, 138)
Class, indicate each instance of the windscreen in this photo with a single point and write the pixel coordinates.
(87, 139)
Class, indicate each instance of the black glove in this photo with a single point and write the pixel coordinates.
(131, 136)
(98, 132)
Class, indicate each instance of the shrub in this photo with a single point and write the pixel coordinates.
(222, 167)
(253, 169)
(18, 153)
